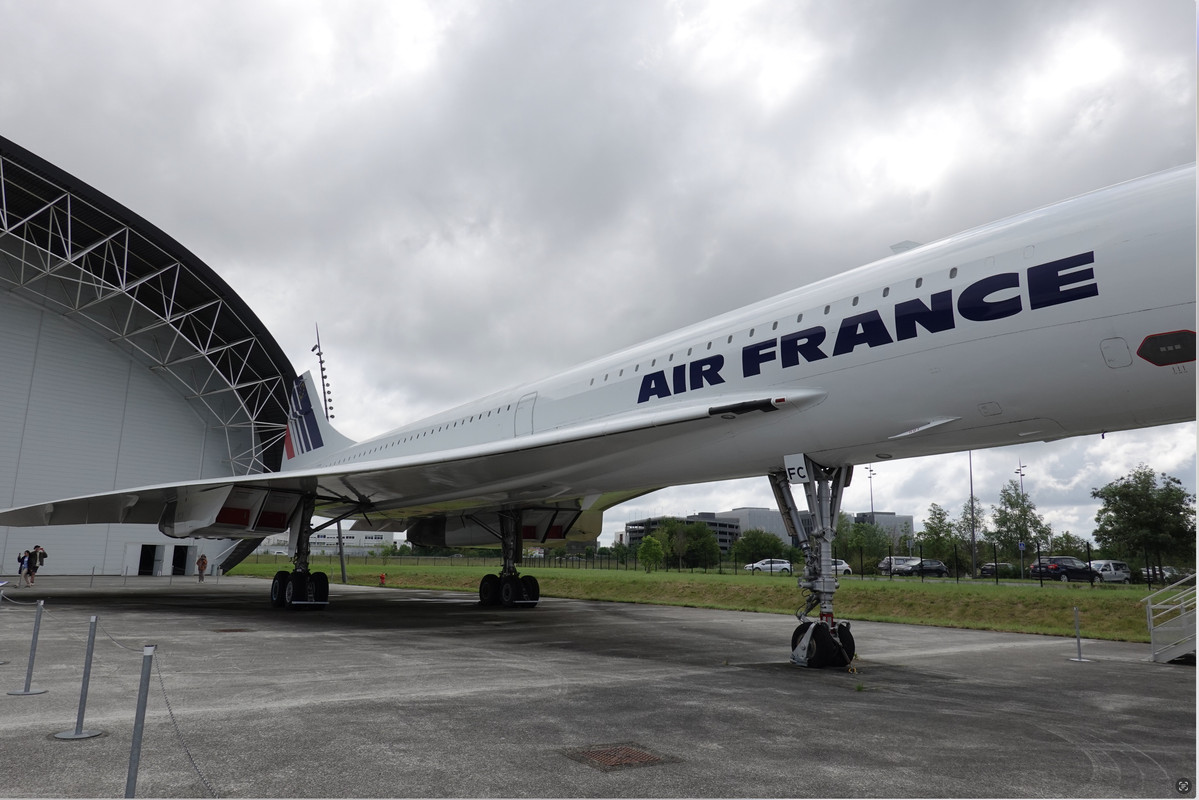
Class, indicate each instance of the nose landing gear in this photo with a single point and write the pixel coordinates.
(821, 642)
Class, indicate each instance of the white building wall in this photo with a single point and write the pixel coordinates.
(78, 416)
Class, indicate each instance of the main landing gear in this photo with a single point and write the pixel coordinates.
(509, 588)
(817, 641)
(301, 588)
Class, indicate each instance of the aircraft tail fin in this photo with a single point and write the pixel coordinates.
(309, 435)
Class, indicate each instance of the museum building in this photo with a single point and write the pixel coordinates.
(126, 362)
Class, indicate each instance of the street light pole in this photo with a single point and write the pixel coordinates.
(1023, 510)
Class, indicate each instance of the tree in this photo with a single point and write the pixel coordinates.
(1016, 520)
(621, 551)
(755, 545)
(972, 520)
(650, 553)
(702, 548)
(937, 538)
(1067, 544)
(1146, 515)
(862, 544)
(674, 532)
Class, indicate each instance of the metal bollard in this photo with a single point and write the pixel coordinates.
(1078, 637)
(2, 661)
(79, 732)
(37, 624)
(139, 723)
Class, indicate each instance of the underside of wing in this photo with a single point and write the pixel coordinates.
(562, 479)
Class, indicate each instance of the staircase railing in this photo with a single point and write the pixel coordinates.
(1171, 617)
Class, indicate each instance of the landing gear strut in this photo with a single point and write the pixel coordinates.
(509, 588)
(301, 588)
(816, 642)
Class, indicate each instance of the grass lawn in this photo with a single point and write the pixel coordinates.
(1105, 612)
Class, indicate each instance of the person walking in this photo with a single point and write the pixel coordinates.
(23, 569)
(37, 557)
(201, 566)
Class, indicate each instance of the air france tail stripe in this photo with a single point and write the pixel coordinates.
(303, 430)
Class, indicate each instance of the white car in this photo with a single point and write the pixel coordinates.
(1112, 571)
(841, 568)
(770, 565)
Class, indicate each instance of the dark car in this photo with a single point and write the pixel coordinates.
(927, 566)
(1062, 568)
(989, 570)
(890, 563)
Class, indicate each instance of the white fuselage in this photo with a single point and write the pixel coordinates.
(1024, 329)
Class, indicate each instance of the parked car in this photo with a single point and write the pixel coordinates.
(1112, 571)
(841, 568)
(889, 562)
(927, 566)
(1062, 568)
(1165, 574)
(771, 565)
(1003, 568)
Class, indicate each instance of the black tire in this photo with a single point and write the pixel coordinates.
(798, 633)
(510, 591)
(489, 590)
(1065, 579)
(319, 584)
(847, 643)
(828, 652)
(278, 588)
(296, 589)
(532, 588)
(755, 569)
(847, 572)
(785, 571)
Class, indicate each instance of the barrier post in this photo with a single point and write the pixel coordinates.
(79, 732)
(1078, 637)
(1, 607)
(139, 723)
(37, 624)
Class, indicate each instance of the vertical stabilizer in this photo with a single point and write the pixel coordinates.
(310, 437)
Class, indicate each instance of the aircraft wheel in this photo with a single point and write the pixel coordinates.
(827, 654)
(532, 587)
(846, 639)
(489, 590)
(279, 588)
(510, 591)
(296, 589)
(798, 633)
(320, 587)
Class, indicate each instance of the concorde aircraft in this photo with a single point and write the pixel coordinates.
(1073, 319)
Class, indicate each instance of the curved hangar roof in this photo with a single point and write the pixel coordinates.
(69, 249)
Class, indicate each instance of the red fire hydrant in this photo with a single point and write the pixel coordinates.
(382, 578)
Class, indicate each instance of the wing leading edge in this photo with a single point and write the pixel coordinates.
(558, 469)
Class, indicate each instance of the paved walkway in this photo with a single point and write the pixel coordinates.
(392, 693)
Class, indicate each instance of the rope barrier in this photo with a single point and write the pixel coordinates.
(158, 669)
(179, 733)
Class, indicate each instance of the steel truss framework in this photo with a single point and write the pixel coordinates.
(70, 250)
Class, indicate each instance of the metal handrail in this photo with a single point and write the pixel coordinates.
(1166, 605)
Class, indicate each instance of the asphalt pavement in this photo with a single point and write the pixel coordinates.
(405, 693)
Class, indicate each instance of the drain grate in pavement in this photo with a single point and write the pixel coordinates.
(609, 757)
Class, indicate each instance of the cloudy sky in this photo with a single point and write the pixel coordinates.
(468, 195)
